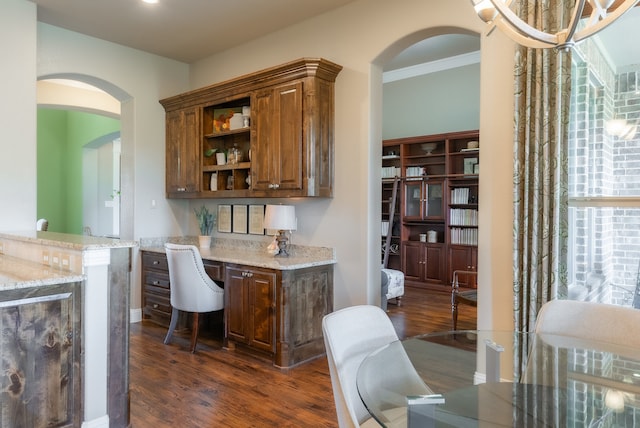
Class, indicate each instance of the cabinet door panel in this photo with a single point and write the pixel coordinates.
(288, 171)
(277, 158)
(182, 163)
(435, 264)
(462, 257)
(40, 357)
(236, 299)
(262, 315)
(261, 155)
(412, 261)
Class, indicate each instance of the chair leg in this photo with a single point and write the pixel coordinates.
(194, 331)
(454, 315)
(172, 325)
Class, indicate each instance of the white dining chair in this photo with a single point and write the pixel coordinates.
(350, 335)
(589, 321)
(42, 225)
(191, 288)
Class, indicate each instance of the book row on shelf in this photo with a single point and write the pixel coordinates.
(462, 236)
(390, 171)
(463, 217)
(414, 171)
(460, 195)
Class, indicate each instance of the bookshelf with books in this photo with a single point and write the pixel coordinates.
(438, 204)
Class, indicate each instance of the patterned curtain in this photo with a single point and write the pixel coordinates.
(543, 88)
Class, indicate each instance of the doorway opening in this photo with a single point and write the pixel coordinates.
(79, 150)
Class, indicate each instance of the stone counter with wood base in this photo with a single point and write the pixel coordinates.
(64, 314)
(273, 305)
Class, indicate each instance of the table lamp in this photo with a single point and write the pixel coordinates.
(281, 218)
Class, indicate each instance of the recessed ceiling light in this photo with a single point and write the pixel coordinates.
(150, 1)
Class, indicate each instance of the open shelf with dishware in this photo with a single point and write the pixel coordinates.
(438, 207)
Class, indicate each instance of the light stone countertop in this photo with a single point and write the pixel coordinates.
(251, 253)
(18, 273)
(66, 240)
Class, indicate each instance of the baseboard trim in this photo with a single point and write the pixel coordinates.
(135, 315)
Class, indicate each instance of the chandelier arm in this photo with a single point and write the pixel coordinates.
(518, 25)
(593, 29)
(575, 18)
(519, 38)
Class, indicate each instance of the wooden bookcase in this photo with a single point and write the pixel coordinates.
(437, 207)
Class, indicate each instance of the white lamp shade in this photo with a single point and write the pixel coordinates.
(280, 217)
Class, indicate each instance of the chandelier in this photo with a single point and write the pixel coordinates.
(497, 13)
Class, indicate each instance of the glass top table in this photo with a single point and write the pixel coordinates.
(501, 379)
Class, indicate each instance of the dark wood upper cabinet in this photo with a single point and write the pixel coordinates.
(285, 146)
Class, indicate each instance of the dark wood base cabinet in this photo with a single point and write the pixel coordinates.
(276, 314)
(41, 356)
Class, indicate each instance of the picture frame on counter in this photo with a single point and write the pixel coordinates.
(239, 220)
(224, 218)
(256, 219)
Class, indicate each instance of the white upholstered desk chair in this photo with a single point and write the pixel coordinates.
(191, 288)
(350, 334)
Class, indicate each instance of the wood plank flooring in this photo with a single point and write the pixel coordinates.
(170, 387)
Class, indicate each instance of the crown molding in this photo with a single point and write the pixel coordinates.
(431, 67)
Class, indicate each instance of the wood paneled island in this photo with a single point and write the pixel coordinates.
(64, 314)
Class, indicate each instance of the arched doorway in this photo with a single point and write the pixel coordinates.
(76, 92)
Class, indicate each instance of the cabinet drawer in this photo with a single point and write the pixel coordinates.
(157, 304)
(155, 261)
(214, 269)
(157, 279)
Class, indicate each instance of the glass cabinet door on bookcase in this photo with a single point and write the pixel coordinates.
(423, 200)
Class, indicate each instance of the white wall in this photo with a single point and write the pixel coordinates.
(358, 36)
(18, 115)
(446, 101)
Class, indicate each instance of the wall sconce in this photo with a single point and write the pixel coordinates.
(498, 14)
(281, 218)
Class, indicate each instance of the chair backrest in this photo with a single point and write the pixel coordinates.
(42, 224)
(350, 334)
(191, 288)
(612, 324)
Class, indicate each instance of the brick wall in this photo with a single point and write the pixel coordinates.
(605, 240)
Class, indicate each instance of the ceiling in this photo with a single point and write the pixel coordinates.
(190, 30)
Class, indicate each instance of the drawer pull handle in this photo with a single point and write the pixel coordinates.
(155, 306)
(156, 262)
(156, 282)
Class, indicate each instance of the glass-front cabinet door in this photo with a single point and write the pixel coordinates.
(423, 200)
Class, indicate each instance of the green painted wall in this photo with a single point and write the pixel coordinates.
(61, 136)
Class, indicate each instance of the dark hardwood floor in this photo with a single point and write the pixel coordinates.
(170, 387)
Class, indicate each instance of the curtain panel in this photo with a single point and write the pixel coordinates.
(542, 100)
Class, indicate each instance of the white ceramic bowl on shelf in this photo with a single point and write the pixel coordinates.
(429, 147)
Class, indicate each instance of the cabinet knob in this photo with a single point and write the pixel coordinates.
(155, 306)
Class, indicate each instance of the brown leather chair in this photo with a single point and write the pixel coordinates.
(469, 280)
